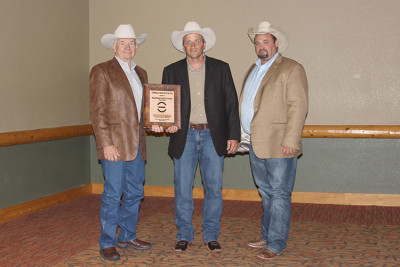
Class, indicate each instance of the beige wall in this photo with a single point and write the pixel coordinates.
(44, 61)
(348, 48)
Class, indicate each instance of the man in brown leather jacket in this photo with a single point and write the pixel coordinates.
(116, 90)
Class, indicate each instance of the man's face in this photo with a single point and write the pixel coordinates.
(193, 45)
(265, 46)
(125, 49)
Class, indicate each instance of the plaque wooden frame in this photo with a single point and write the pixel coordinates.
(157, 101)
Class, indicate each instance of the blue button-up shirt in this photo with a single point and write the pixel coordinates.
(250, 92)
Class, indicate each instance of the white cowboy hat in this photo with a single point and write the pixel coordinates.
(266, 27)
(193, 27)
(123, 31)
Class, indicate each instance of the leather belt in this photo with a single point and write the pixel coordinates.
(198, 126)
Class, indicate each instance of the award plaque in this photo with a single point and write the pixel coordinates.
(162, 105)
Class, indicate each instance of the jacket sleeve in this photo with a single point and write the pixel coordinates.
(98, 107)
(231, 106)
(297, 106)
(164, 77)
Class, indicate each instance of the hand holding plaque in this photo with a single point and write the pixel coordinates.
(162, 105)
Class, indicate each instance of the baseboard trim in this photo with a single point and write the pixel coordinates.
(354, 199)
(297, 197)
(36, 205)
(30, 207)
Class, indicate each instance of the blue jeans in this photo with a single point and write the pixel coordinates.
(127, 178)
(199, 147)
(275, 180)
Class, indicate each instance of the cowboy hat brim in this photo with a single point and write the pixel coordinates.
(108, 39)
(275, 31)
(207, 33)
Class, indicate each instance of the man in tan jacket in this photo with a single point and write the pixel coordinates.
(273, 108)
(116, 90)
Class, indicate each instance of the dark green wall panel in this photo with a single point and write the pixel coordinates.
(367, 166)
(32, 171)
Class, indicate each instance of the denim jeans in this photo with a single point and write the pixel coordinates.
(275, 180)
(199, 148)
(127, 178)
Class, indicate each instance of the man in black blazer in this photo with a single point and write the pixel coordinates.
(210, 129)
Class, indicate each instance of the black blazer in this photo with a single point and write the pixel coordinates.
(220, 100)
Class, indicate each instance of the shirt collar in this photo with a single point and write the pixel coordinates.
(126, 65)
(269, 62)
(202, 66)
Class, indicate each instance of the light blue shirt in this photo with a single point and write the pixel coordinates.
(250, 92)
(134, 82)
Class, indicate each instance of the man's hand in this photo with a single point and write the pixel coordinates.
(288, 151)
(157, 128)
(111, 153)
(172, 129)
(160, 129)
(232, 146)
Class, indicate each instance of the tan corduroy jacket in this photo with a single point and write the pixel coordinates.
(113, 111)
(280, 109)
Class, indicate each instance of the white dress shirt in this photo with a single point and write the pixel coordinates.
(134, 82)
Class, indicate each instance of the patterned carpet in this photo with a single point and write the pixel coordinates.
(310, 244)
(66, 235)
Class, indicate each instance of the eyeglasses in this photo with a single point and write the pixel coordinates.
(131, 43)
(190, 42)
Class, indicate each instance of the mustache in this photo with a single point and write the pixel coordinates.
(262, 57)
(262, 54)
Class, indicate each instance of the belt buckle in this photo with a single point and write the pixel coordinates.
(198, 126)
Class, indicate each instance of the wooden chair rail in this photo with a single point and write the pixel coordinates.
(310, 131)
(352, 131)
(41, 135)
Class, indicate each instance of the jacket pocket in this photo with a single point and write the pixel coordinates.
(279, 126)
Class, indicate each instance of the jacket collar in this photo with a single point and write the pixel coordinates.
(271, 70)
(119, 74)
(267, 75)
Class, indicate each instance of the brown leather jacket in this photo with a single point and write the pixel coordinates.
(113, 111)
